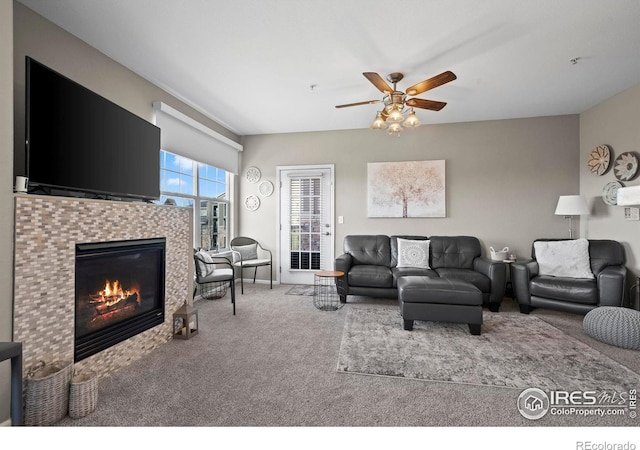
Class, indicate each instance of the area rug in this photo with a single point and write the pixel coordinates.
(513, 351)
(300, 289)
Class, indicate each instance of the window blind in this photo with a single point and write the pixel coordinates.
(184, 136)
(305, 218)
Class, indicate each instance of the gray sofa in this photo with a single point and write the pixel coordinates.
(369, 263)
(575, 295)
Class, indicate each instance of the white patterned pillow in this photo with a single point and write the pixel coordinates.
(413, 253)
(564, 258)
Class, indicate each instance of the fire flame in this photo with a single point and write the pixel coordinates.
(114, 293)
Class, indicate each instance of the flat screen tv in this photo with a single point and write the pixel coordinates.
(79, 142)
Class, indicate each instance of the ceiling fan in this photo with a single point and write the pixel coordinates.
(396, 102)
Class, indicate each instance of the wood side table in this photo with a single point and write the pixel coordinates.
(325, 293)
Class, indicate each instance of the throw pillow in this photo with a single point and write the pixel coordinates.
(413, 253)
(248, 252)
(205, 263)
(564, 258)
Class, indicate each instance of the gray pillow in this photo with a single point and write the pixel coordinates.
(203, 257)
(248, 252)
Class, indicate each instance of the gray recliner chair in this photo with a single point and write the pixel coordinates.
(575, 295)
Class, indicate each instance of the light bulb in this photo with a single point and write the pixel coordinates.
(412, 120)
(378, 123)
(394, 128)
(395, 116)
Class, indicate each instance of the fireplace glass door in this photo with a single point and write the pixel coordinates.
(119, 292)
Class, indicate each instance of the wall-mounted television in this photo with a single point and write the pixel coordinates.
(82, 144)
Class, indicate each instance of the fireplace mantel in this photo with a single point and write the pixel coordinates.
(47, 229)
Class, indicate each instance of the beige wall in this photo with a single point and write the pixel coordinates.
(503, 178)
(6, 193)
(615, 122)
(22, 33)
(49, 44)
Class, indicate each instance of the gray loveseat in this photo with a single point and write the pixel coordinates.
(575, 295)
(370, 266)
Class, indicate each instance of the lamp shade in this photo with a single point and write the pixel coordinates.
(572, 205)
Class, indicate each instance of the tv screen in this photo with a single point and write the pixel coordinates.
(79, 141)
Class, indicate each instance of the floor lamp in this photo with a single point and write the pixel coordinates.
(569, 206)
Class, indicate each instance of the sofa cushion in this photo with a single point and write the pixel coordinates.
(454, 251)
(370, 276)
(413, 253)
(399, 272)
(393, 240)
(479, 280)
(568, 259)
(573, 290)
(368, 249)
(603, 253)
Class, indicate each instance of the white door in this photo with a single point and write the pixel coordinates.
(306, 222)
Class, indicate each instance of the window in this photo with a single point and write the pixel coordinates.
(305, 217)
(190, 183)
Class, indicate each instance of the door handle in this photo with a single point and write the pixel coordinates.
(326, 233)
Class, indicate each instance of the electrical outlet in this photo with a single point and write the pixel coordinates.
(340, 219)
(632, 213)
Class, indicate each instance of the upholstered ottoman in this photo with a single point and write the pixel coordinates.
(614, 325)
(439, 300)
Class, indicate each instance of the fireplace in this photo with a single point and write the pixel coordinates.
(119, 292)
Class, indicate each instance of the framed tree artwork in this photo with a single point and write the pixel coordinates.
(406, 189)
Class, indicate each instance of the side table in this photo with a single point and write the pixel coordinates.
(509, 286)
(13, 351)
(325, 293)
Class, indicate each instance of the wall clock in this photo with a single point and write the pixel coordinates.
(626, 166)
(610, 193)
(253, 175)
(599, 160)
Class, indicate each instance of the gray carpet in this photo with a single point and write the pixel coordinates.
(274, 364)
(300, 289)
(513, 351)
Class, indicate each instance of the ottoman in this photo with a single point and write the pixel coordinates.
(614, 325)
(439, 300)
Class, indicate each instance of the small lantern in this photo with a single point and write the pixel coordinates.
(185, 322)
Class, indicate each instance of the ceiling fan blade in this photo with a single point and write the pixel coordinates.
(431, 83)
(378, 82)
(368, 102)
(425, 104)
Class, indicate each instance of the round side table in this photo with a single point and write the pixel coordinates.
(325, 293)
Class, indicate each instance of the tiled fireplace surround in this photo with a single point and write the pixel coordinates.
(47, 229)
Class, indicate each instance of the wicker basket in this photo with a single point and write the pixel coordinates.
(47, 393)
(83, 394)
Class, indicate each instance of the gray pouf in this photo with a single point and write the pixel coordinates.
(615, 326)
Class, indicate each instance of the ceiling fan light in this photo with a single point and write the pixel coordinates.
(394, 128)
(395, 116)
(378, 123)
(412, 120)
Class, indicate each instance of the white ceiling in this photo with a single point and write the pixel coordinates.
(249, 64)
